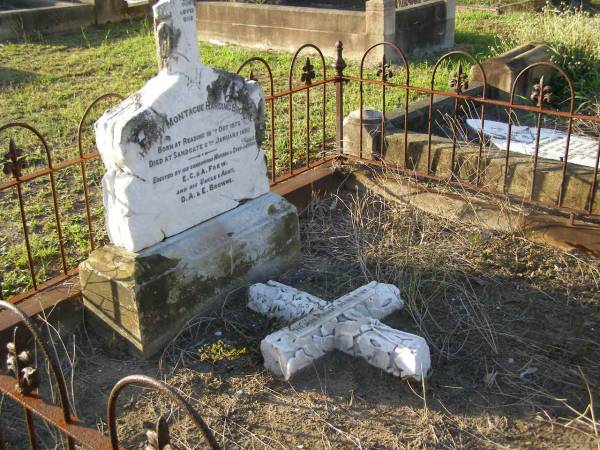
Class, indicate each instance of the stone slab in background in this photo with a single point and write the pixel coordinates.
(502, 70)
(420, 28)
(148, 296)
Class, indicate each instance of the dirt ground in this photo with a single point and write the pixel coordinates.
(512, 327)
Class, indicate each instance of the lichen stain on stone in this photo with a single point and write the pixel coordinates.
(260, 123)
(136, 99)
(287, 228)
(230, 87)
(145, 129)
(226, 86)
(150, 266)
(195, 294)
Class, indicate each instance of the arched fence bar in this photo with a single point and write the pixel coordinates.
(24, 381)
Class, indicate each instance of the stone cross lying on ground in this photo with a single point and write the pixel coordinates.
(350, 324)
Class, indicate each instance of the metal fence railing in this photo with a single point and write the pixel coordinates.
(305, 129)
(24, 383)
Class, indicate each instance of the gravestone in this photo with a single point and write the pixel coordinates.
(349, 324)
(186, 193)
(502, 71)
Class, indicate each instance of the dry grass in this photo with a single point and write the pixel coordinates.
(512, 327)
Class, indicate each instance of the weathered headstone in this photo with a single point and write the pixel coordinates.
(185, 147)
(501, 72)
(349, 324)
(186, 193)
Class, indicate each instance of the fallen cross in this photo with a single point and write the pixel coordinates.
(350, 324)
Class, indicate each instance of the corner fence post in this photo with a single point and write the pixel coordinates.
(339, 65)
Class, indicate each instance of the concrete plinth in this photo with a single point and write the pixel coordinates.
(371, 134)
(148, 296)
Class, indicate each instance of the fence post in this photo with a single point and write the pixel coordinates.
(339, 65)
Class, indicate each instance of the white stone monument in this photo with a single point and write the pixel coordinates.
(349, 324)
(185, 147)
(186, 193)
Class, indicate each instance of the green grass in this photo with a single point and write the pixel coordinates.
(488, 3)
(49, 81)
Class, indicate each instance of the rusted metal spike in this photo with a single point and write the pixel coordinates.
(162, 429)
(308, 72)
(159, 439)
(541, 93)
(339, 64)
(384, 70)
(13, 161)
(460, 80)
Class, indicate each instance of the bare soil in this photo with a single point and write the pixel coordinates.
(512, 327)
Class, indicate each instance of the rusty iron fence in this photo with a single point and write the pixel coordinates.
(25, 380)
(306, 130)
(318, 100)
(541, 95)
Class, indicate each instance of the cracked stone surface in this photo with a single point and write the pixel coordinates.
(184, 148)
(349, 324)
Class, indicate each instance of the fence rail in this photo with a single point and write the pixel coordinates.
(25, 381)
(305, 129)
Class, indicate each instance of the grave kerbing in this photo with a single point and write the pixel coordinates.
(186, 194)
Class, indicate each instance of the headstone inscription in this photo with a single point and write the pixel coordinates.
(349, 324)
(583, 150)
(185, 147)
(186, 194)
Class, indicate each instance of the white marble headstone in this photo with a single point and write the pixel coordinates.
(185, 147)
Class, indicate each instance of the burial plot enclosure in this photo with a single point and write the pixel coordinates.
(419, 26)
(26, 370)
(21, 19)
(306, 134)
(306, 141)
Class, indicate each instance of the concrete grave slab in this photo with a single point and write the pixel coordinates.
(583, 150)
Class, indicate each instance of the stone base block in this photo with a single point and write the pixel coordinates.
(371, 137)
(148, 296)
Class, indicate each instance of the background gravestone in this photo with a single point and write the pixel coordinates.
(186, 193)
